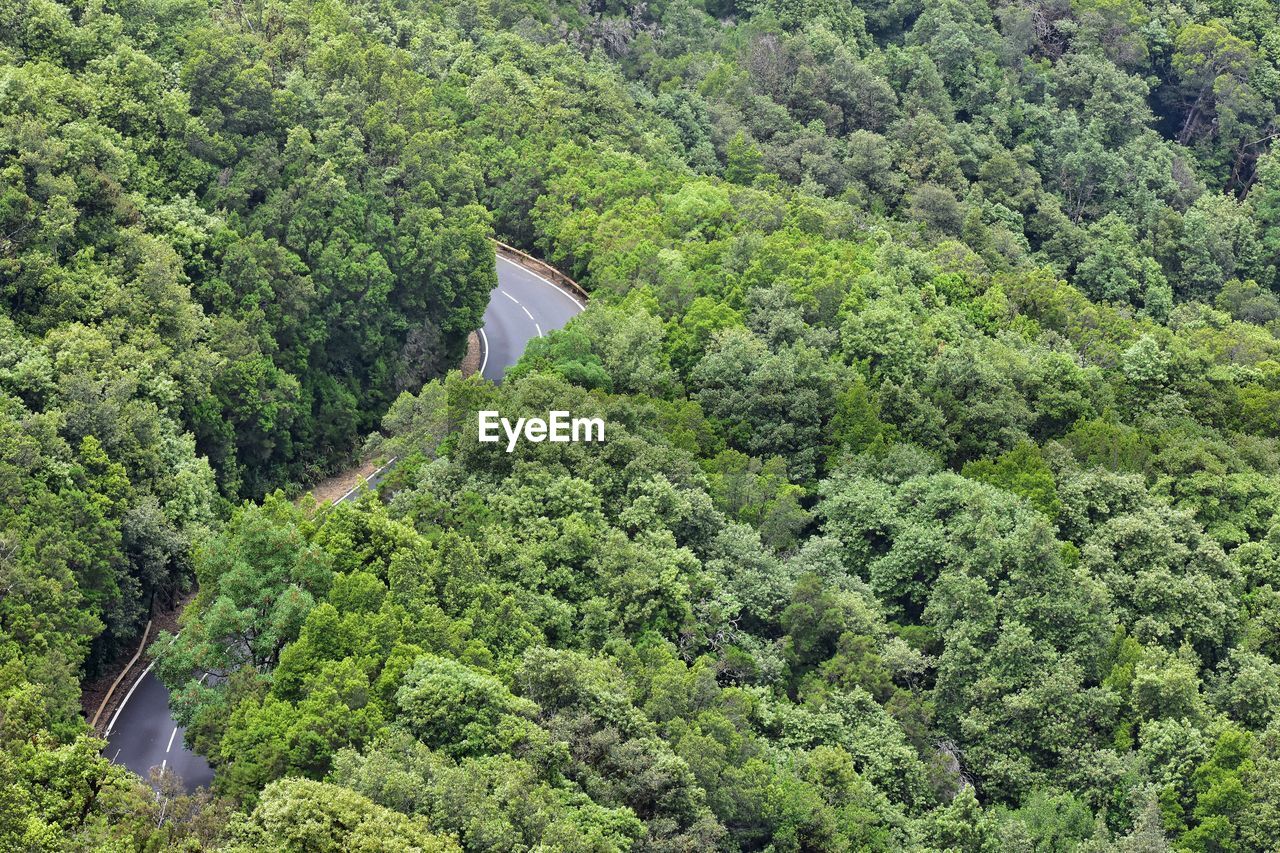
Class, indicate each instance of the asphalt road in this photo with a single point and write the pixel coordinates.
(523, 306)
(143, 734)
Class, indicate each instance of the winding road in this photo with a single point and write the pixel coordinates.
(524, 305)
(143, 734)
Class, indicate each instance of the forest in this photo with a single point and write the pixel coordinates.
(939, 347)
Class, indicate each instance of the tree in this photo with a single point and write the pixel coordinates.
(459, 711)
(1022, 471)
(1212, 65)
(1218, 243)
(1114, 269)
(301, 815)
(258, 580)
(771, 402)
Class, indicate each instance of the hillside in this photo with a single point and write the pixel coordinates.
(939, 349)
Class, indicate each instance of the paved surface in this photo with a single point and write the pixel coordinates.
(370, 482)
(143, 734)
(523, 306)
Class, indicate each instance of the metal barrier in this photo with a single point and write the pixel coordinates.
(370, 482)
(93, 724)
(542, 268)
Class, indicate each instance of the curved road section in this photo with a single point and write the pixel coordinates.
(523, 306)
(143, 734)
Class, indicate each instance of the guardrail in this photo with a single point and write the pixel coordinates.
(93, 724)
(369, 482)
(542, 268)
(526, 260)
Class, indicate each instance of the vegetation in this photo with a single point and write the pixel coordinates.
(939, 347)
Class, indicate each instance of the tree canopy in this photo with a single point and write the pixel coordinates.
(939, 348)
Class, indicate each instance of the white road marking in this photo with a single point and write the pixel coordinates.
(111, 725)
(117, 755)
(549, 284)
(484, 341)
(367, 481)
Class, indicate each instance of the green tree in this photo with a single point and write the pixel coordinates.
(298, 815)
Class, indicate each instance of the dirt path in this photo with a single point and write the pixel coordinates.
(471, 361)
(330, 489)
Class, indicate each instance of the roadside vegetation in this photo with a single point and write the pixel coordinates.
(939, 348)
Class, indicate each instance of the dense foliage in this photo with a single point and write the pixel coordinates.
(939, 345)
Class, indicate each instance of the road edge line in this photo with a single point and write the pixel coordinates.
(368, 481)
(142, 644)
(551, 284)
(125, 701)
(484, 344)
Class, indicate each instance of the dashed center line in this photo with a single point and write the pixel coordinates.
(526, 312)
(544, 282)
(509, 296)
(171, 736)
(539, 328)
